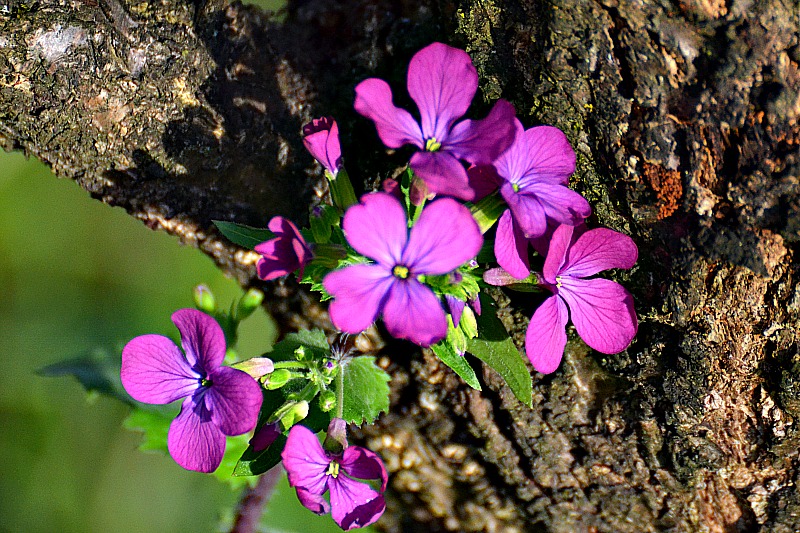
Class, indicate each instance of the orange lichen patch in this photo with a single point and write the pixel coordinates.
(668, 187)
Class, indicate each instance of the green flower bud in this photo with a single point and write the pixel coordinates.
(277, 379)
(300, 353)
(294, 414)
(204, 299)
(327, 400)
(256, 367)
(249, 303)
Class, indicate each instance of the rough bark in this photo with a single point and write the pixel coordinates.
(685, 119)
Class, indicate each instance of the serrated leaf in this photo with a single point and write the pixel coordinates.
(245, 236)
(457, 363)
(366, 390)
(494, 347)
(97, 370)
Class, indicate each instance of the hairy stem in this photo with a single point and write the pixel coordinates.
(254, 500)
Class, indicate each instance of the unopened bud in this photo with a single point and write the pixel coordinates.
(249, 303)
(294, 414)
(300, 353)
(256, 367)
(265, 436)
(204, 299)
(327, 400)
(277, 379)
(336, 437)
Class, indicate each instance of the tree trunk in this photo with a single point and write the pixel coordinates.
(684, 116)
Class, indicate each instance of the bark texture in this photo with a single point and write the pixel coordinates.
(684, 115)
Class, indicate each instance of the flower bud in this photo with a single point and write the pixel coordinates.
(256, 367)
(294, 414)
(264, 437)
(277, 379)
(249, 303)
(204, 299)
(327, 400)
(336, 437)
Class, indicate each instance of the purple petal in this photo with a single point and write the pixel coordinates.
(562, 204)
(456, 307)
(395, 126)
(480, 142)
(155, 371)
(442, 81)
(359, 292)
(321, 139)
(442, 173)
(305, 461)
(201, 337)
(265, 436)
(542, 153)
(445, 237)
(546, 336)
(285, 253)
(412, 311)
(529, 213)
(234, 399)
(194, 440)
(354, 504)
(377, 228)
(600, 249)
(362, 463)
(483, 179)
(475, 303)
(316, 503)
(602, 311)
(511, 247)
(557, 252)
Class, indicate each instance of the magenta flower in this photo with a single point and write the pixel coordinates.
(219, 400)
(312, 472)
(601, 310)
(285, 253)
(532, 176)
(444, 237)
(442, 81)
(321, 139)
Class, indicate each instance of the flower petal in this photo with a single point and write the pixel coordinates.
(456, 307)
(557, 252)
(546, 336)
(194, 440)
(483, 179)
(600, 249)
(362, 463)
(316, 503)
(412, 311)
(444, 238)
(602, 311)
(234, 399)
(442, 81)
(283, 254)
(202, 339)
(321, 139)
(511, 247)
(377, 228)
(528, 210)
(480, 142)
(563, 205)
(155, 371)
(442, 173)
(354, 504)
(359, 292)
(305, 461)
(395, 126)
(541, 153)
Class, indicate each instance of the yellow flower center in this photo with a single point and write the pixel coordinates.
(515, 186)
(558, 281)
(400, 272)
(432, 145)
(333, 469)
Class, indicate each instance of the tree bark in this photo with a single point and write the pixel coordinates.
(684, 116)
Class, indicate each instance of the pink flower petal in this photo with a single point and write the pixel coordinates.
(546, 336)
(602, 311)
(542, 153)
(442, 81)
(202, 338)
(234, 399)
(321, 139)
(456, 308)
(557, 252)
(412, 311)
(563, 205)
(483, 179)
(511, 247)
(194, 440)
(600, 249)
(528, 211)
(361, 463)
(395, 126)
(377, 228)
(445, 237)
(305, 461)
(481, 142)
(316, 503)
(155, 371)
(442, 173)
(283, 254)
(354, 504)
(359, 292)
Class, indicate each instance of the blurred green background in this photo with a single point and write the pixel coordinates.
(77, 274)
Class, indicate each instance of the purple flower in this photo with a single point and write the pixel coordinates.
(321, 139)
(285, 253)
(219, 400)
(312, 471)
(532, 176)
(444, 237)
(442, 82)
(601, 310)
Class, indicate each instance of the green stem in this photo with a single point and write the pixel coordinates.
(340, 392)
(488, 210)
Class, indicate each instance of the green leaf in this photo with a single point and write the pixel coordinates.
(253, 463)
(494, 347)
(245, 236)
(366, 390)
(313, 341)
(154, 424)
(457, 363)
(97, 370)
